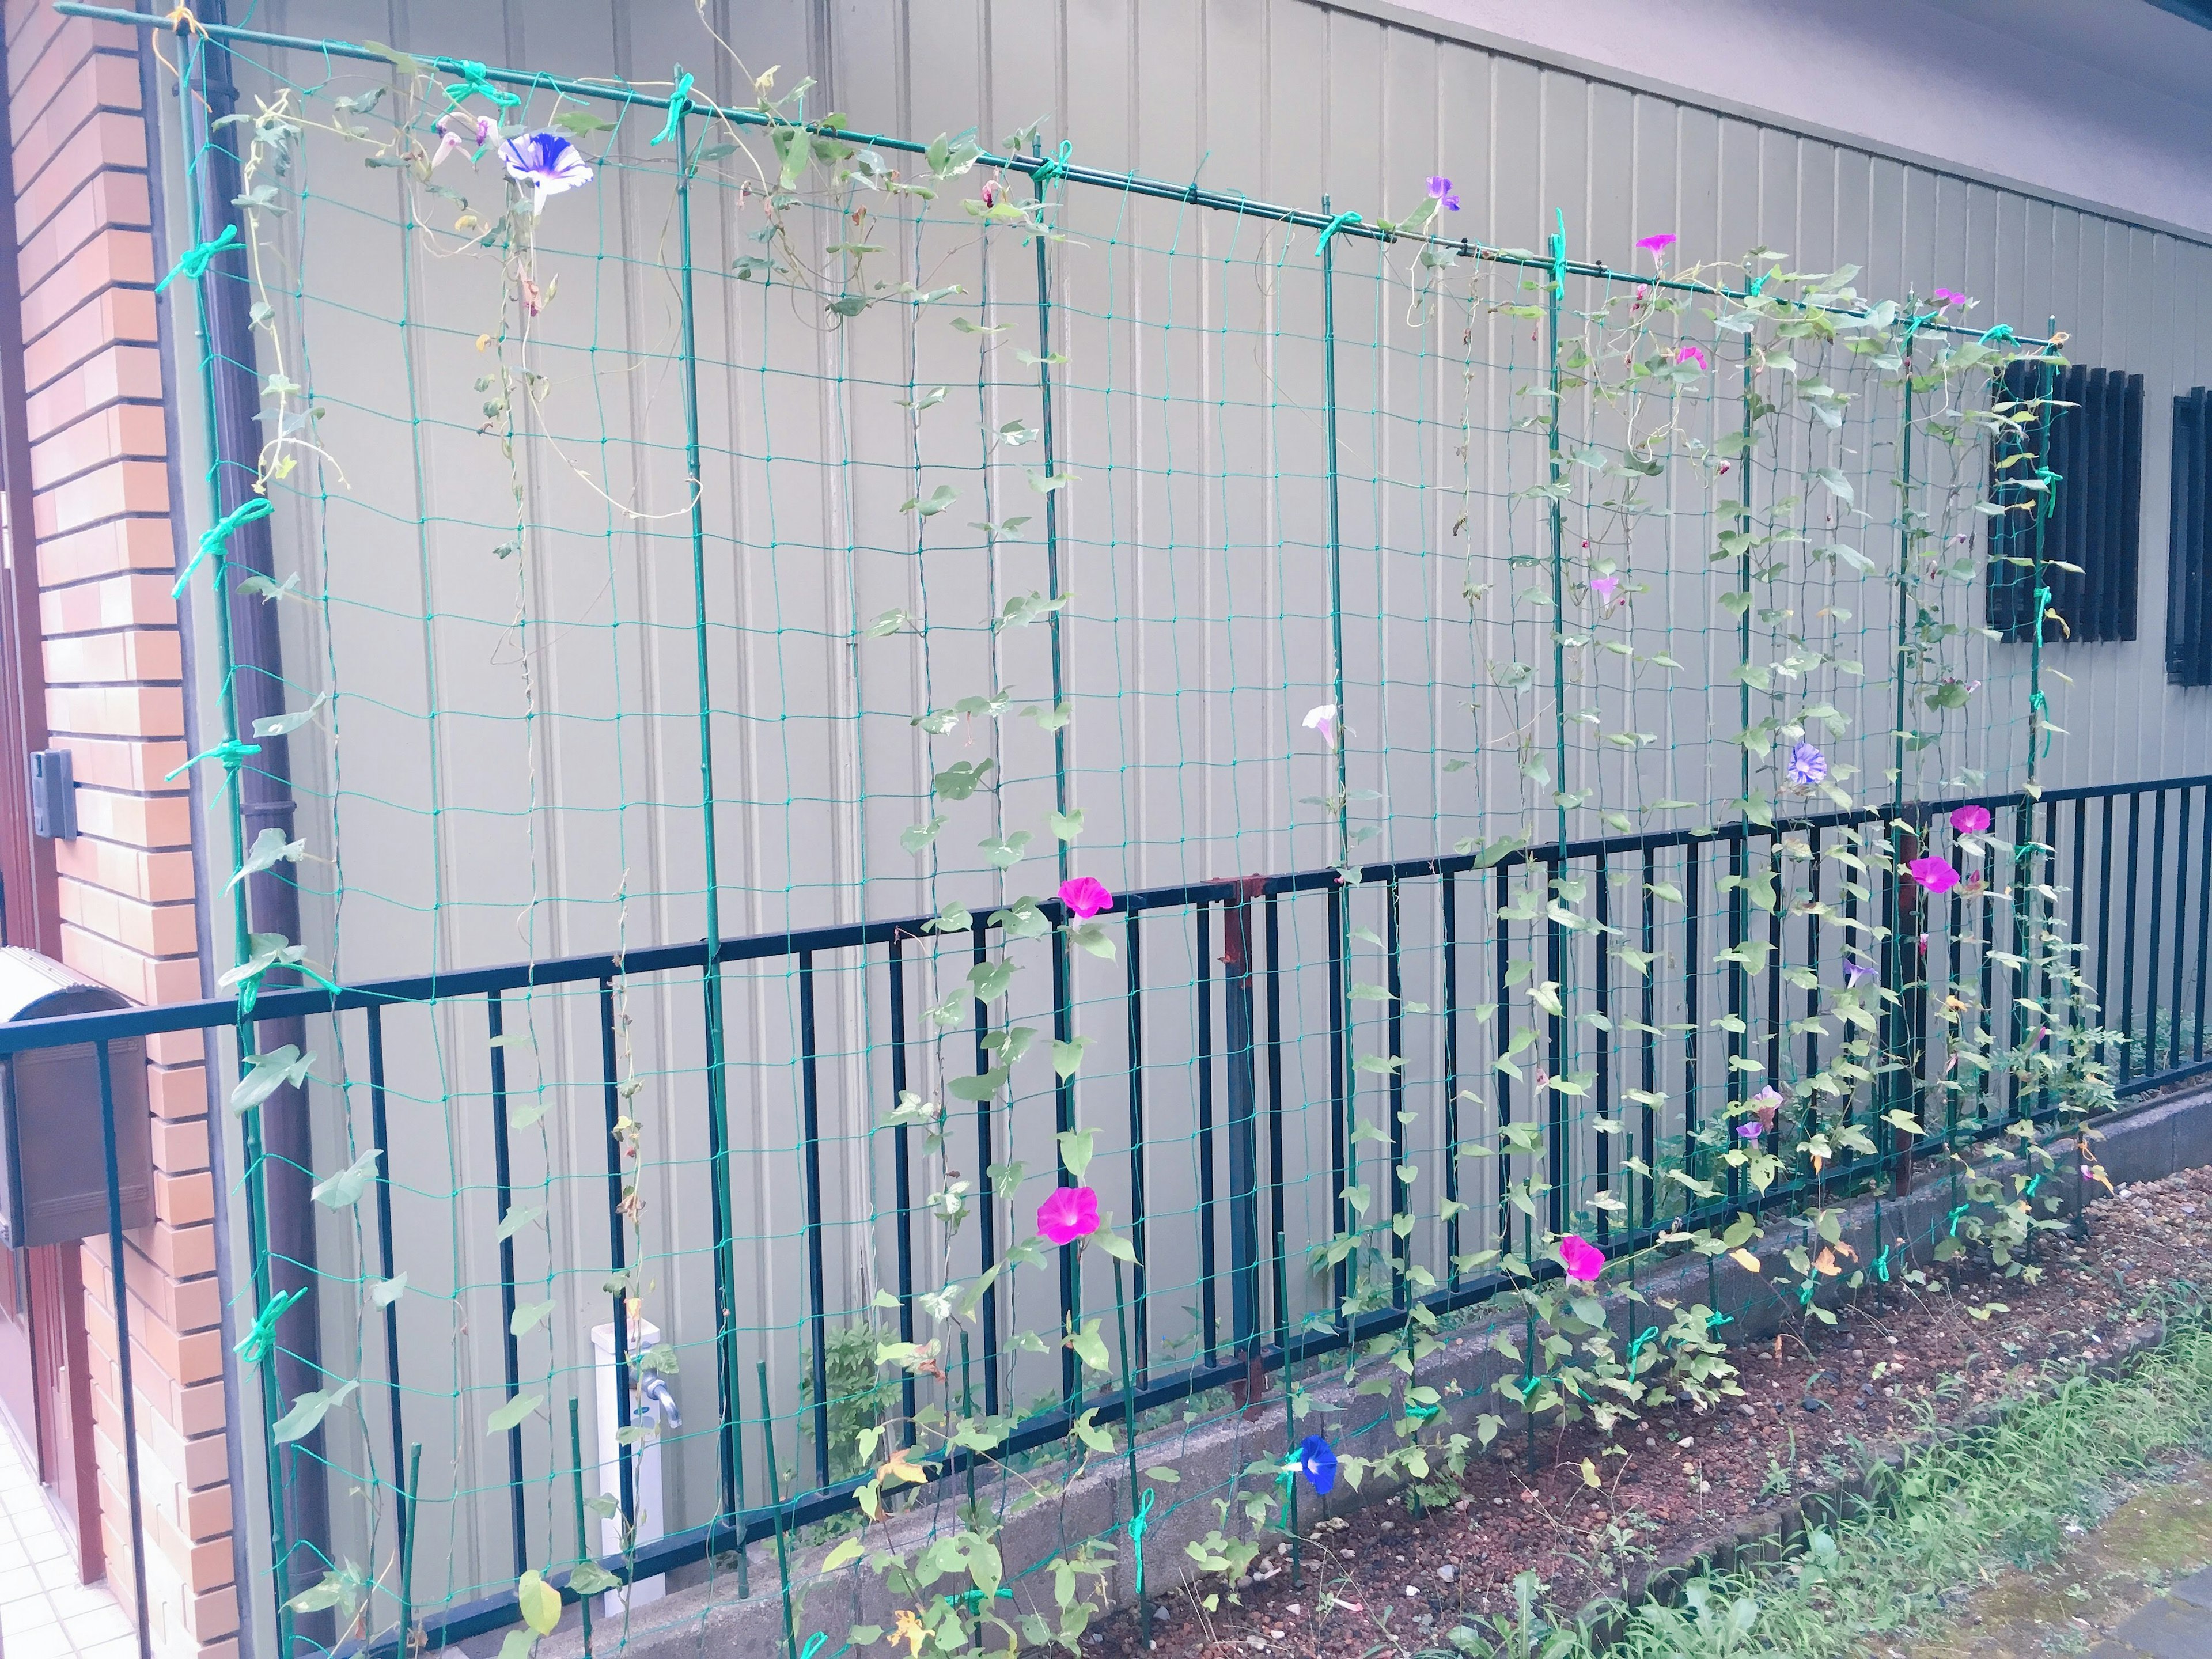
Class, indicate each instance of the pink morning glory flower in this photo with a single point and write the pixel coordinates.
(547, 162)
(1072, 1213)
(1949, 297)
(1440, 192)
(1937, 875)
(1808, 766)
(1605, 587)
(1583, 1260)
(1692, 352)
(1086, 897)
(1970, 820)
(1655, 245)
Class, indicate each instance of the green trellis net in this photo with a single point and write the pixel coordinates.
(1490, 695)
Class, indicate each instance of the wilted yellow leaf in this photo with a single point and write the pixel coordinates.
(898, 1468)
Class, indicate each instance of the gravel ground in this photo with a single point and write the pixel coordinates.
(1817, 1404)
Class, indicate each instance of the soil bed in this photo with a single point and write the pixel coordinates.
(1819, 1406)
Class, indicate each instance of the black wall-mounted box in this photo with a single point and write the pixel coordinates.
(51, 1135)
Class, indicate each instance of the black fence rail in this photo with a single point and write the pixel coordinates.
(1673, 1048)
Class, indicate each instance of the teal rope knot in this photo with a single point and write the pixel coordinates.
(213, 539)
(2002, 331)
(194, 261)
(1330, 229)
(256, 1345)
(679, 106)
(1635, 1347)
(1955, 1214)
(476, 81)
(1422, 1413)
(1055, 166)
(1715, 1322)
(231, 752)
(1882, 1265)
(1139, 1524)
(814, 1645)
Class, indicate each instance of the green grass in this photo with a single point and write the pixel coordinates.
(2003, 1499)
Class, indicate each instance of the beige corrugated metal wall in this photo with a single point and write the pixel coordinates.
(550, 806)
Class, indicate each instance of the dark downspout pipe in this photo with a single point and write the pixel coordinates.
(265, 784)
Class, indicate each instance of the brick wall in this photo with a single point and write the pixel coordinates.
(105, 555)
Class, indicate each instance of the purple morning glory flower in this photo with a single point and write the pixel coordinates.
(1440, 191)
(546, 161)
(1808, 766)
(1856, 973)
(1318, 1462)
(1749, 1131)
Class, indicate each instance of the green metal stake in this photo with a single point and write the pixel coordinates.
(1556, 1149)
(407, 1496)
(776, 1500)
(254, 1179)
(584, 1550)
(1139, 1517)
(731, 1446)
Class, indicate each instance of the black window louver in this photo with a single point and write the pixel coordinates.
(2092, 529)
(2189, 553)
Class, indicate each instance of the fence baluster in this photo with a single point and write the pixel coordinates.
(510, 1351)
(1132, 947)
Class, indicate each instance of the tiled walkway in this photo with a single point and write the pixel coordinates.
(45, 1613)
(2177, 1626)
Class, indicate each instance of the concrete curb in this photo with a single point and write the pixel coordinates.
(1217, 1459)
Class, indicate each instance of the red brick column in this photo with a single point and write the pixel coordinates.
(107, 555)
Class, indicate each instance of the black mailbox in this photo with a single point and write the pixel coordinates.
(55, 1189)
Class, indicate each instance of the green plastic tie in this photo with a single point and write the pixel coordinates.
(1141, 1523)
(476, 81)
(814, 1645)
(1559, 251)
(1422, 1413)
(1635, 1347)
(1955, 1214)
(213, 539)
(1882, 1265)
(1330, 229)
(231, 752)
(1056, 167)
(2002, 331)
(194, 261)
(679, 106)
(255, 1346)
(1715, 1322)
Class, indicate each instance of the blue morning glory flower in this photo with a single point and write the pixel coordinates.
(1808, 766)
(1318, 1462)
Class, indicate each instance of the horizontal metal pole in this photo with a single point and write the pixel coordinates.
(1132, 184)
(302, 1001)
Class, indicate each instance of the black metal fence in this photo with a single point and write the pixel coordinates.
(2130, 867)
